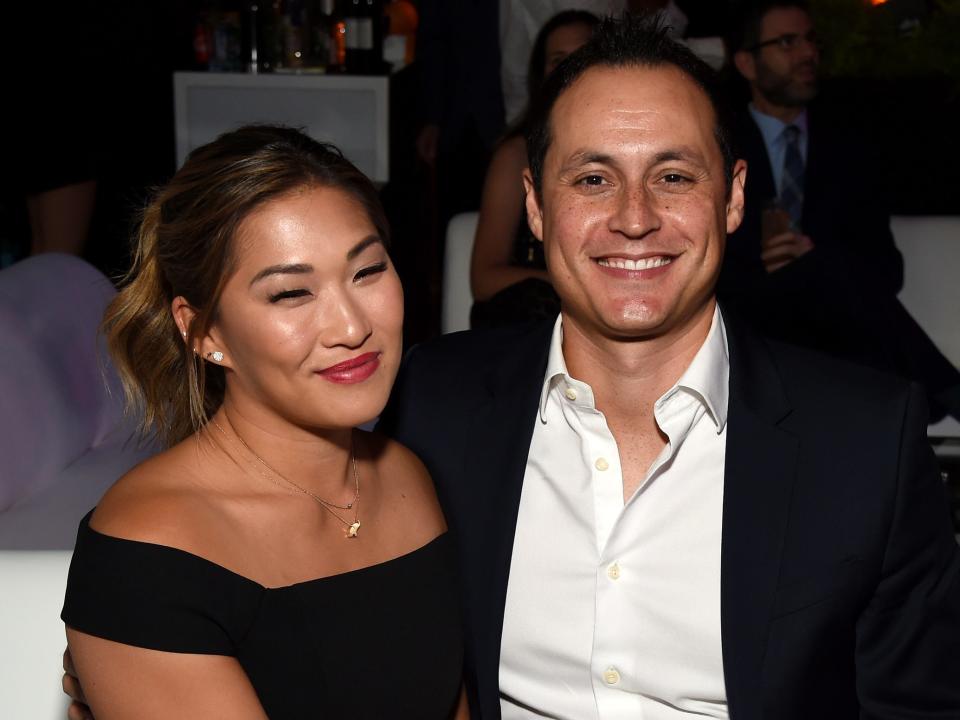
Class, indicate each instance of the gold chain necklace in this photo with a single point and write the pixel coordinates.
(352, 528)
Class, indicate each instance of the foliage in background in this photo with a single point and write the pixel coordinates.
(896, 39)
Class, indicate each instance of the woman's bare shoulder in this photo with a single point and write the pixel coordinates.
(158, 501)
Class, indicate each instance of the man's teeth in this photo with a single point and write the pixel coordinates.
(627, 264)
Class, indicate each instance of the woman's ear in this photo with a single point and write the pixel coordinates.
(208, 346)
(184, 315)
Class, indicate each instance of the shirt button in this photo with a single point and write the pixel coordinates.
(611, 676)
(601, 464)
(570, 393)
(613, 572)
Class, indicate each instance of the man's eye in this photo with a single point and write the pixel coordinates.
(370, 270)
(593, 180)
(286, 294)
(788, 41)
(674, 178)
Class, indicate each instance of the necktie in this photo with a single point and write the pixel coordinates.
(791, 182)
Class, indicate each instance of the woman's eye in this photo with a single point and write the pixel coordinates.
(370, 270)
(287, 294)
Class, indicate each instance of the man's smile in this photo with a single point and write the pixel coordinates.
(625, 263)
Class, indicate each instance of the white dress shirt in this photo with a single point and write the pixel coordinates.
(613, 609)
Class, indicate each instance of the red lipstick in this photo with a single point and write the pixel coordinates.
(353, 370)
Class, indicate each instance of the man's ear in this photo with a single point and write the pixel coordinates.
(746, 65)
(209, 347)
(534, 211)
(735, 202)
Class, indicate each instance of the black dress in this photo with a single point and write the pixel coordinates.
(378, 642)
(528, 300)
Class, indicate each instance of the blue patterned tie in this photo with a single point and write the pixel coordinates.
(791, 183)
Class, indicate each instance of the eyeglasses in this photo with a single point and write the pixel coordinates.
(788, 41)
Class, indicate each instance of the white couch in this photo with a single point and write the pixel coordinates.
(457, 296)
(931, 286)
(31, 635)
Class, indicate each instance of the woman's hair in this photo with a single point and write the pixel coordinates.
(185, 247)
(537, 68)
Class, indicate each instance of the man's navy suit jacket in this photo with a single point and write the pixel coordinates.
(840, 575)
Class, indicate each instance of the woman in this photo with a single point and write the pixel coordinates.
(507, 271)
(273, 561)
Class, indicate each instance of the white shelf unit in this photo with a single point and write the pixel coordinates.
(347, 110)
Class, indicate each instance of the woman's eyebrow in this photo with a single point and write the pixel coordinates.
(289, 269)
(362, 245)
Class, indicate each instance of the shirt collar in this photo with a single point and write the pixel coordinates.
(556, 366)
(707, 377)
(772, 128)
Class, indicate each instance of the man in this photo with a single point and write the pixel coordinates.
(659, 514)
(814, 262)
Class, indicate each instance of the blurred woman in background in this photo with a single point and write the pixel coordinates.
(507, 271)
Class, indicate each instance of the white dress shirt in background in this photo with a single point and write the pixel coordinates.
(613, 609)
(520, 21)
(772, 131)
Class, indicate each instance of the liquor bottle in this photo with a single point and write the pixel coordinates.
(363, 23)
(321, 34)
(293, 35)
(202, 42)
(399, 33)
(252, 49)
(338, 37)
(268, 20)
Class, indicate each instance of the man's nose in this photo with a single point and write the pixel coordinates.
(636, 213)
(807, 48)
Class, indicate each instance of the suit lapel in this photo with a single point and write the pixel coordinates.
(758, 481)
(499, 440)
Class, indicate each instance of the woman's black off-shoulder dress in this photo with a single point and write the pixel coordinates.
(379, 642)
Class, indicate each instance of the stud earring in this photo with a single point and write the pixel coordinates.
(216, 356)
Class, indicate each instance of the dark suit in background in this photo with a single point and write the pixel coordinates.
(840, 576)
(841, 297)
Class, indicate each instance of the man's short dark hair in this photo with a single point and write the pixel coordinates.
(627, 41)
(744, 32)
